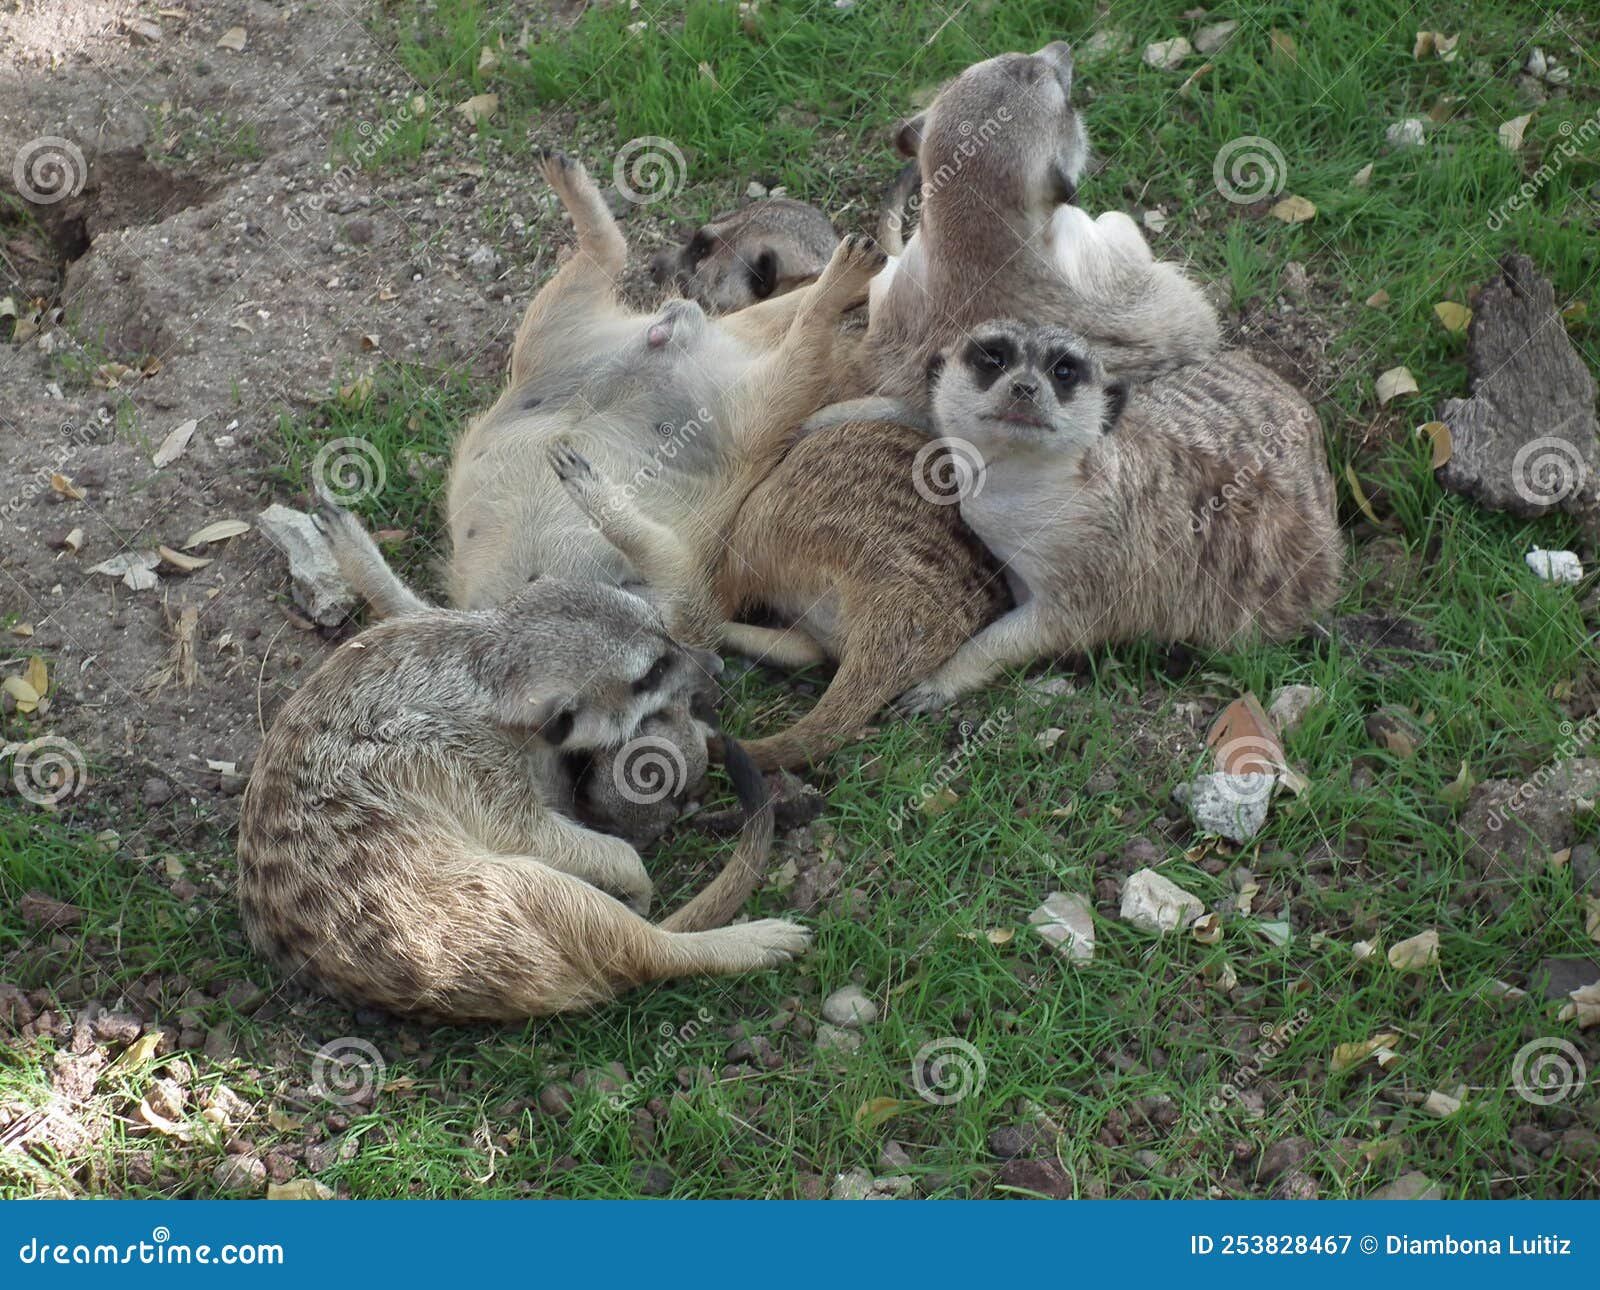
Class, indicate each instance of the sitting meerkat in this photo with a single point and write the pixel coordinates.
(1001, 150)
(668, 403)
(403, 842)
(766, 248)
(1119, 516)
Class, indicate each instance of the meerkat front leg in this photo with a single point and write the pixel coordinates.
(1026, 633)
(595, 858)
(589, 277)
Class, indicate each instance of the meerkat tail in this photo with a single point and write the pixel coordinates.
(874, 407)
(363, 565)
(859, 689)
(892, 218)
(726, 894)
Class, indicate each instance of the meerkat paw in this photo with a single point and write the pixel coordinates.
(848, 277)
(925, 696)
(562, 173)
(775, 940)
(582, 481)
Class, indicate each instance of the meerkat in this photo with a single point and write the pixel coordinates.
(1000, 151)
(402, 843)
(855, 542)
(1120, 516)
(766, 248)
(668, 403)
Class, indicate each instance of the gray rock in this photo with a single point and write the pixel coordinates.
(244, 1173)
(1514, 824)
(319, 588)
(1229, 806)
(853, 1184)
(1411, 1186)
(1290, 703)
(156, 791)
(1067, 923)
(893, 1156)
(1586, 869)
(1562, 976)
(1156, 904)
(1211, 38)
(1409, 133)
(1282, 1156)
(851, 1007)
(484, 263)
(835, 1039)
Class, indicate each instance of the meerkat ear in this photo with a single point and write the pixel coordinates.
(1059, 55)
(908, 135)
(1116, 401)
(764, 273)
(551, 717)
(1063, 188)
(934, 368)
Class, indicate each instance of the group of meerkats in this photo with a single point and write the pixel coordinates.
(440, 822)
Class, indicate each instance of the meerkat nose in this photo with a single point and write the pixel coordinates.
(1024, 390)
(658, 335)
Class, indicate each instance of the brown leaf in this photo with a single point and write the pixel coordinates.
(1244, 741)
(1379, 299)
(479, 108)
(879, 1110)
(234, 39)
(63, 484)
(1438, 435)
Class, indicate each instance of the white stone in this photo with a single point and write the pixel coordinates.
(1210, 39)
(1156, 904)
(1290, 703)
(319, 588)
(1066, 921)
(1555, 566)
(1167, 54)
(1228, 806)
(1409, 133)
(850, 1007)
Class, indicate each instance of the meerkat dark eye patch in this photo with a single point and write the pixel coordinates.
(764, 274)
(1066, 370)
(1116, 401)
(656, 674)
(699, 247)
(988, 358)
(557, 730)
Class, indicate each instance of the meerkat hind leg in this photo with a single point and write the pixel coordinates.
(1012, 640)
(787, 647)
(602, 861)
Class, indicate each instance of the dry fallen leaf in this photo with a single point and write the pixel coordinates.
(73, 542)
(1378, 299)
(1511, 131)
(216, 531)
(488, 60)
(26, 696)
(1395, 382)
(1360, 495)
(1415, 953)
(140, 1051)
(37, 675)
(183, 563)
(174, 445)
(1441, 1104)
(1591, 918)
(1436, 43)
(940, 802)
(233, 39)
(1293, 209)
(1244, 741)
(1282, 47)
(878, 1110)
(299, 1189)
(1047, 739)
(22, 629)
(1353, 1054)
(1207, 929)
(1460, 788)
(1388, 730)
(1362, 177)
(1219, 976)
(1455, 317)
(1361, 951)
(63, 484)
(479, 108)
(1584, 1007)
(1437, 434)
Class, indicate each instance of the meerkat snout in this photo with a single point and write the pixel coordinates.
(1009, 382)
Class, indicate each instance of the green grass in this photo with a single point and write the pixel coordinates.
(1108, 1053)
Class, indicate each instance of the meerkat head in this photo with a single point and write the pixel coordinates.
(1009, 383)
(1008, 128)
(588, 670)
(761, 250)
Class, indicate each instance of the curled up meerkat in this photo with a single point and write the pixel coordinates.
(403, 843)
(1120, 517)
(764, 249)
(1001, 150)
(668, 403)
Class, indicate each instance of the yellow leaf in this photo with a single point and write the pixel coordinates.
(1416, 953)
(183, 563)
(479, 108)
(36, 675)
(1360, 495)
(1353, 1054)
(1438, 435)
(22, 629)
(1591, 918)
(140, 1051)
(26, 696)
(1511, 131)
(64, 485)
(1455, 317)
(299, 1189)
(879, 1110)
(1395, 382)
(1000, 935)
(1293, 209)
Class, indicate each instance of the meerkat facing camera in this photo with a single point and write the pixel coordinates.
(764, 249)
(1119, 517)
(402, 843)
(1001, 150)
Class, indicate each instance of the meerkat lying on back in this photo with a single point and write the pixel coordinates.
(669, 403)
(1119, 517)
(403, 842)
(767, 248)
(1001, 150)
